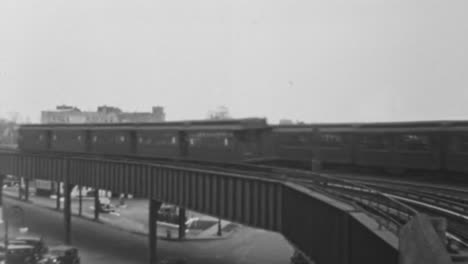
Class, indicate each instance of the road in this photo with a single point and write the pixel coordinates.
(102, 244)
(134, 217)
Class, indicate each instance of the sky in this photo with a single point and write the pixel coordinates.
(308, 60)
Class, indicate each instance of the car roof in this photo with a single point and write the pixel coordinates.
(28, 238)
(61, 248)
(14, 246)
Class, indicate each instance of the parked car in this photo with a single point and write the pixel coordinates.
(107, 208)
(36, 242)
(61, 255)
(18, 254)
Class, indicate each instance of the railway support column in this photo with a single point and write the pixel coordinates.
(20, 188)
(57, 202)
(80, 200)
(220, 230)
(154, 207)
(67, 211)
(2, 177)
(26, 189)
(182, 226)
(97, 204)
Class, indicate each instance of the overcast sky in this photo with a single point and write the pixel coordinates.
(350, 60)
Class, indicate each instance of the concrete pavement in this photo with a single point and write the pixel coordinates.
(102, 244)
(134, 217)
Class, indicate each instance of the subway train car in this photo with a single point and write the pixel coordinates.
(229, 140)
(400, 146)
(161, 140)
(34, 138)
(335, 143)
(226, 140)
(292, 142)
(68, 139)
(455, 151)
(416, 145)
(111, 140)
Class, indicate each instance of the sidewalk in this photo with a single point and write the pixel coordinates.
(134, 218)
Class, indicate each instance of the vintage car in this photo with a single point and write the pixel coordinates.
(61, 255)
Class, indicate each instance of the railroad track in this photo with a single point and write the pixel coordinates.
(373, 197)
(372, 204)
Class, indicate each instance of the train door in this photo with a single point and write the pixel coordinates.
(443, 148)
(48, 139)
(87, 140)
(133, 141)
(249, 143)
(353, 145)
(183, 144)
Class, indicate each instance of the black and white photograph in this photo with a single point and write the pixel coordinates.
(234, 132)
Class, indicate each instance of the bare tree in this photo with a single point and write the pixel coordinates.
(14, 117)
(286, 122)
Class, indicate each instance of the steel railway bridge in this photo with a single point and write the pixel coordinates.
(324, 229)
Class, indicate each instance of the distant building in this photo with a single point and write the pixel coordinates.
(104, 114)
(157, 115)
(286, 122)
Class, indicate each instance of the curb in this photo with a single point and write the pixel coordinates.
(136, 232)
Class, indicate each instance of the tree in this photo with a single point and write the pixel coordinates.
(286, 122)
(221, 113)
(14, 117)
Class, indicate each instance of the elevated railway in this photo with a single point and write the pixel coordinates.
(256, 197)
(390, 202)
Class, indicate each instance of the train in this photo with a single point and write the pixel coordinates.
(230, 140)
(396, 146)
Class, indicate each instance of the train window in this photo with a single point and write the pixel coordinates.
(375, 142)
(302, 139)
(161, 139)
(294, 139)
(331, 140)
(413, 142)
(462, 144)
(212, 139)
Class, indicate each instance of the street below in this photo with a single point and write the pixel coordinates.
(101, 244)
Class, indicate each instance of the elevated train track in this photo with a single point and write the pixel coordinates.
(429, 146)
(256, 196)
(372, 194)
(382, 201)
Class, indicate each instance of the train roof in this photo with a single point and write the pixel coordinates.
(418, 126)
(410, 126)
(231, 124)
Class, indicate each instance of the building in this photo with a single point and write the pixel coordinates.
(157, 115)
(104, 114)
(286, 122)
